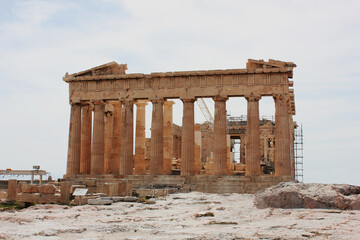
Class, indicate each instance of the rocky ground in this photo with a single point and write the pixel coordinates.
(179, 216)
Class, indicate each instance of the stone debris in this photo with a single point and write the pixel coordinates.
(235, 217)
(312, 195)
(100, 201)
(204, 214)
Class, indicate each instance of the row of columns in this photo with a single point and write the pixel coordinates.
(112, 139)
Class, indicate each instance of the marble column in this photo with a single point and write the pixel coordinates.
(252, 166)
(188, 139)
(242, 148)
(157, 138)
(282, 137)
(85, 148)
(127, 155)
(220, 148)
(73, 162)
(97, 150)
(108, 137)
(139, 161)
(292, 150)
(116, 142)
(168, 136)
(229, 162)
(197, 161)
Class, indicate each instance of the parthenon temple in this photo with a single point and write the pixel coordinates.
(104, 145)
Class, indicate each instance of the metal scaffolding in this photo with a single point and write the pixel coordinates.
(299, 157)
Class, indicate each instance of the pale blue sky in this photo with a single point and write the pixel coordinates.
(41, 40)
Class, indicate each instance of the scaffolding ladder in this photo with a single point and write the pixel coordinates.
(299, 157)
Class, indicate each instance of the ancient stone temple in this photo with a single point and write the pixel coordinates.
(103, 144)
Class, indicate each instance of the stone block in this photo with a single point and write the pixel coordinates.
(100, 201)
(117, 199)
(3, 195)
(90, 182)
(111, 189)
(125, 188)
(73, 187)
(47, 189)
(29, 188)
(80, 200)
(65, 192)
(130, 199)
(12, 190)
(28, 197)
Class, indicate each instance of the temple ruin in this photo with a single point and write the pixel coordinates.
(103, 146)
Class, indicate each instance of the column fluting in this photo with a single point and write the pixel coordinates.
(168, 136)
(282, 137)
(252, 162)
(220, 148)
(139, 160)
(157, 138)
(188, 139)
(97, 150)
(86, 130)
(127, 156)
(73, 162)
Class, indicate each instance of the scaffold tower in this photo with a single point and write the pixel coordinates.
(299, 157)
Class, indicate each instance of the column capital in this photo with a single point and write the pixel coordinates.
(75, 104)
(184, 100)
(98, 102)
(253, 97)
(169, 103)
(220, 98)
(141, 103)
(88, 105)
(127, 101)
(109, 109)
(281, 97)
(157, 100)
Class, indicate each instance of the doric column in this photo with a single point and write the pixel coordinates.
(115, 158)
(97, 150)
(85, 148)
(229, 162)
(242, 148)
(292, 150)
(252, 165)
(73, 162)
(168, 136)
(220, 158)
(157, 138)
(197, 161)
(127, 156)
(108, 137)
(282, 137)
(188, 139)
(139, 161)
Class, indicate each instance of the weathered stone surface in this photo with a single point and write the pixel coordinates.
(29, 188)
(12, 190)
(90, 182)
(111, 189)
(37, 198)
(73, 187)
(313, 195)
(100, 201)
(65, 192)
(3, 195)
(47, 188)
(130, 199)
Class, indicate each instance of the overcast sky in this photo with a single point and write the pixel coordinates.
(42, 40)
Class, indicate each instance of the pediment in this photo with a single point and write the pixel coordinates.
(252, 63)
(112, 68)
